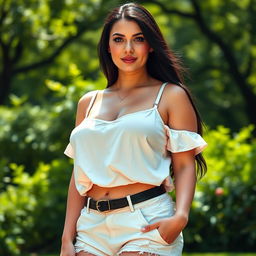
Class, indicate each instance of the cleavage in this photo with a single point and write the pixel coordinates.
(99, 111)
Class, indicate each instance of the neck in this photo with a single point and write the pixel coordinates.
(130, 80)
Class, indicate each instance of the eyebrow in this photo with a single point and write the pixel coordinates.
(118, 34)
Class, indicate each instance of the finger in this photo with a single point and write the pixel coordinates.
(150, 227)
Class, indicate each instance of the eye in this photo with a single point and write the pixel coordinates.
(139, 39)
(118, 39)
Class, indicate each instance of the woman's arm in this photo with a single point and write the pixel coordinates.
(181, 116)
(75, 202)
(185, 182)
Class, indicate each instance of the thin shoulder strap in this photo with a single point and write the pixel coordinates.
(91, 102)
(160, 93)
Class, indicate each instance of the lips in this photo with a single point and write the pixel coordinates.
(129, 59)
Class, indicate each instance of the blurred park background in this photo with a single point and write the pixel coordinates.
(48, 60)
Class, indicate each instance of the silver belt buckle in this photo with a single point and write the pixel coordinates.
(97, 205)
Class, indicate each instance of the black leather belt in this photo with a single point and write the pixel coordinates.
(106, 205)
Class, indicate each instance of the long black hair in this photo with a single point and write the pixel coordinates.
(162, 64)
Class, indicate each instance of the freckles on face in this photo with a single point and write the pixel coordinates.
(126, 40)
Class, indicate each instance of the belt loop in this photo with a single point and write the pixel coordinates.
(88, 204)
(130, 203)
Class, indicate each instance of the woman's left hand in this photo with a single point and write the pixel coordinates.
(169, 228)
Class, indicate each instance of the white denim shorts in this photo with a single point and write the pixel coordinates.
(116, 231)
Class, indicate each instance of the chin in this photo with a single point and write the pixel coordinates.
(131, 68)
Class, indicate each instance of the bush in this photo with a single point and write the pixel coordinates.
(35, 175)
(223, 216)
(33, 207)
(34, 170)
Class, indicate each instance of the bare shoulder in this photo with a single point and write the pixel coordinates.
(175, 92)
(83, 104)
(181, 114)
(86, 98)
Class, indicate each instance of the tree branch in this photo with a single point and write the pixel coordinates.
(55, 53)
(251, 14)
(3, 12)
(171, 11)
(17, 53)
(248, 70)
(233, 66)
(237, 75)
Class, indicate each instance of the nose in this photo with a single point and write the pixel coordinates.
(128, 47)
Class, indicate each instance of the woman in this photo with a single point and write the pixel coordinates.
(125, 139)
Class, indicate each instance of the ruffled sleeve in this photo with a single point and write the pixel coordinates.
(69, 151)
(184, 140)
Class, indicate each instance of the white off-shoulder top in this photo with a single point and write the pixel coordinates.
(130, 149)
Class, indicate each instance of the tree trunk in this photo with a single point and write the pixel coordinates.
(5, 85)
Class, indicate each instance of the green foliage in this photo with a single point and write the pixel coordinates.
(41, 38)
(213, 82)
(32, 207)
(34, 170)
(222, 216)
(36, 36)
(35, 132)
(35, 175)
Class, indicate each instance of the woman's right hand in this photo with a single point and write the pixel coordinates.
(67, 249)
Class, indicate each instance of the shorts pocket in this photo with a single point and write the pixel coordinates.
(87, 221)
(155, 232)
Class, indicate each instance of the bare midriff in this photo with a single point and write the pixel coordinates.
(97, 192)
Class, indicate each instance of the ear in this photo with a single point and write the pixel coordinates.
(108, 49)
(151, 50)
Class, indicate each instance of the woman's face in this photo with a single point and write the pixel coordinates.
(127, 46)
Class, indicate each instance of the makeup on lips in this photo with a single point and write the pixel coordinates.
(129, 59)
